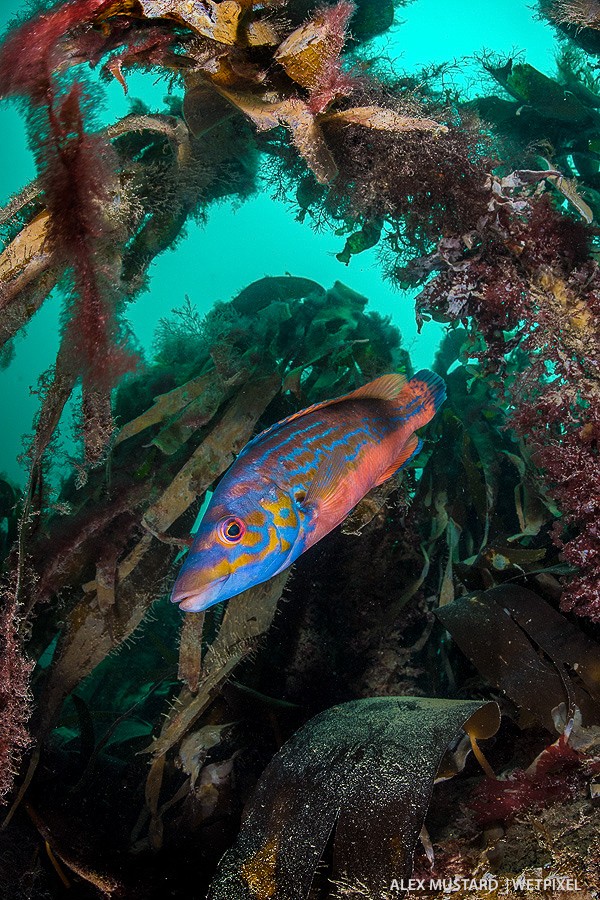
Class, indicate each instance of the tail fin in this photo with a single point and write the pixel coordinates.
(422, 396)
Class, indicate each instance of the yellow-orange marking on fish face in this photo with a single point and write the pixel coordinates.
(283, 517)
(246, 558)
(218, 570)
(256, 518)
(251, 538)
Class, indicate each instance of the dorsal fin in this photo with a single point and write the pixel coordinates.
(387, 387)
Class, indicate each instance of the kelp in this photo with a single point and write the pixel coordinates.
(520, 625)
(119, 196)
(246, 619)
(15, 671)
(362, 772)
(94, 629)
(147, 227)
(527, 277)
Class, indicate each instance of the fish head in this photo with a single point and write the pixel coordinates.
(240, 543)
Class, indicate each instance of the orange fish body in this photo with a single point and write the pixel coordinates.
(292, 484)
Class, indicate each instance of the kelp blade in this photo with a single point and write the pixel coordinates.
(365, 768)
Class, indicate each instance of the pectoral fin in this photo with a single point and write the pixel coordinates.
(328, 490)
(410, 449)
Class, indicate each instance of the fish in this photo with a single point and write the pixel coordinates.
(295, 482)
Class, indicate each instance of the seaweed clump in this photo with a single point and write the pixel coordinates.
(419, 188)
(408, 169)
(527, 277)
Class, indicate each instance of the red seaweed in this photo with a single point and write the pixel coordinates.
(533, 292)
(78, 174)
(333, 82)
(553, 776)
(30, 53)
(81, 188)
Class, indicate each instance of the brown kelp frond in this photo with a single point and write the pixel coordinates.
(521, 624)
(398, 163)
(108, 561)
(362, 769)
(548, 121)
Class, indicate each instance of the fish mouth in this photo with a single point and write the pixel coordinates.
(194, 598)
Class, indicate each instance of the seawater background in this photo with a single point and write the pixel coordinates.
(243, 242)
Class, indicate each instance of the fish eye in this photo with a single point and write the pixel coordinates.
(231, 530)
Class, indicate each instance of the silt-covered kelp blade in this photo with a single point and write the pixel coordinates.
(365, 771)
(539, 658)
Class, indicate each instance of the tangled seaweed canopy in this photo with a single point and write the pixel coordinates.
(95, 219)
(526, 277)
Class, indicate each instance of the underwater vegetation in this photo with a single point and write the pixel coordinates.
(422, 687)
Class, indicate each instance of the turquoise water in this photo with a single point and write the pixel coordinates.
(264, 233)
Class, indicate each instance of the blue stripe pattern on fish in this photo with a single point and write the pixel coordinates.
(293, 483)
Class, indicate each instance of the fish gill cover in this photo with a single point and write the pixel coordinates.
(487, 206)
